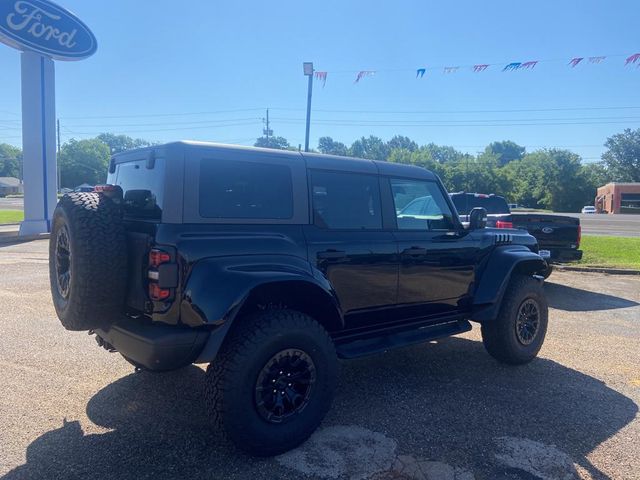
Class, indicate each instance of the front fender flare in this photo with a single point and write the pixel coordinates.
(496, 274)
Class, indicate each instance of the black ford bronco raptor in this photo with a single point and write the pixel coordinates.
(270, 265)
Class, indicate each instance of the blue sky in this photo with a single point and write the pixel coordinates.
(206, 70)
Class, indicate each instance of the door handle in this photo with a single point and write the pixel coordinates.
(332, 255)
(414, 251)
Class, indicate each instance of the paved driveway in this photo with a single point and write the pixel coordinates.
(443, 410)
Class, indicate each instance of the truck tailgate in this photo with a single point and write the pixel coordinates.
(550, 230)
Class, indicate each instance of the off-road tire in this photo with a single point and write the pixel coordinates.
(97, 263)
(231, 379)
(500, 337)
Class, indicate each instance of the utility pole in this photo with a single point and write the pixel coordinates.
(58, 154)
(308, 71)
(267, 131)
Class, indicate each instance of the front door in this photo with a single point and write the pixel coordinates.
(437, 256)
(348, 245)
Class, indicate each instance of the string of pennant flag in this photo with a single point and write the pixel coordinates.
(482, 67)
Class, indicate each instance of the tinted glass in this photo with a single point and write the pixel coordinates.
(420, 205)
(491, 204)
(230, 189)
(346, 200)
(142, 188)
(460, 202)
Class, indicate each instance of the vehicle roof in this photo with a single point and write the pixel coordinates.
(313, 160)
(483, 195)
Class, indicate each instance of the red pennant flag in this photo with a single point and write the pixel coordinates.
(633, 58)
(321, 76)
(528, 65)
(481, 67)
(575, 61)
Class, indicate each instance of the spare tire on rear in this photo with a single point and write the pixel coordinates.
(87, 261)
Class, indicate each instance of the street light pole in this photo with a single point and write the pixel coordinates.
(308, 71)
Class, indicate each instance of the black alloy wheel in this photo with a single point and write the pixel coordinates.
(284, 385)
(63, 262)
(528, 321)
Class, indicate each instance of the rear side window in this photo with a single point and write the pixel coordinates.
(493, 205)
(142, 188)
(346, 200)
(232, 189)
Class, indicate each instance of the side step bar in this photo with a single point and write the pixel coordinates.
(370, 346)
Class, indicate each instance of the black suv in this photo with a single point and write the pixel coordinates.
(270, 265)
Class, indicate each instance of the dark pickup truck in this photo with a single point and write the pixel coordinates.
(558, 234)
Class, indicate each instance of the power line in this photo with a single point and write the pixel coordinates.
(374, 122)
(360, 124)
(515, 110)
(256, 122)
(195, 122)
(214, 112)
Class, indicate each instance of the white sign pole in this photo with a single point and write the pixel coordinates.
(38, 142)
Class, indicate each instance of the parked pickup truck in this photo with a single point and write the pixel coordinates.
(557, 234)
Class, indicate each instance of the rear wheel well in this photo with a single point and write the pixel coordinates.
(301, 296)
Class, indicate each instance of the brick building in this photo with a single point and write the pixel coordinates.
(618, 198)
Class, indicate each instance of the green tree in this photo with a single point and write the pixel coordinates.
(10, 160)
(371, 147)
(399, 141)
(623, 156)
(279, 143)
(444, 153)
(506, 151)
(330, 146)
(84, 161)
(551, 179)
(120, 143)
(481, 175)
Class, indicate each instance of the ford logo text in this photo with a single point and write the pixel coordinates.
(46, 28)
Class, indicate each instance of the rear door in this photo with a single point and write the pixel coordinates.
(349, 245)
(437, 256)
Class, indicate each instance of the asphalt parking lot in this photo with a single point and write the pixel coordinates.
(443, 410)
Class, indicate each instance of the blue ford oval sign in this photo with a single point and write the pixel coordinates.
(44, 27)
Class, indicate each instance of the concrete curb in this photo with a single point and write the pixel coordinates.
(12, 238)
(611, 271)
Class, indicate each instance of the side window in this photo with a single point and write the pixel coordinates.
(142, 188)
(420, 205)
(230, 189)
(346, 200)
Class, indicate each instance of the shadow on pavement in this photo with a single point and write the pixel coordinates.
(573, 299)
(446, 401)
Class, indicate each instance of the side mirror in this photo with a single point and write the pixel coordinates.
(477, 218)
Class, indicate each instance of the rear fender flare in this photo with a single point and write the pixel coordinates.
(218, 290)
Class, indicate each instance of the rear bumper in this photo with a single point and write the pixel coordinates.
(562, 255)
(154, 345)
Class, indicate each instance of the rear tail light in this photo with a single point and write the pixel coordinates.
(157, 258)
(504, 224)
(156, 293)
(579, 236)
